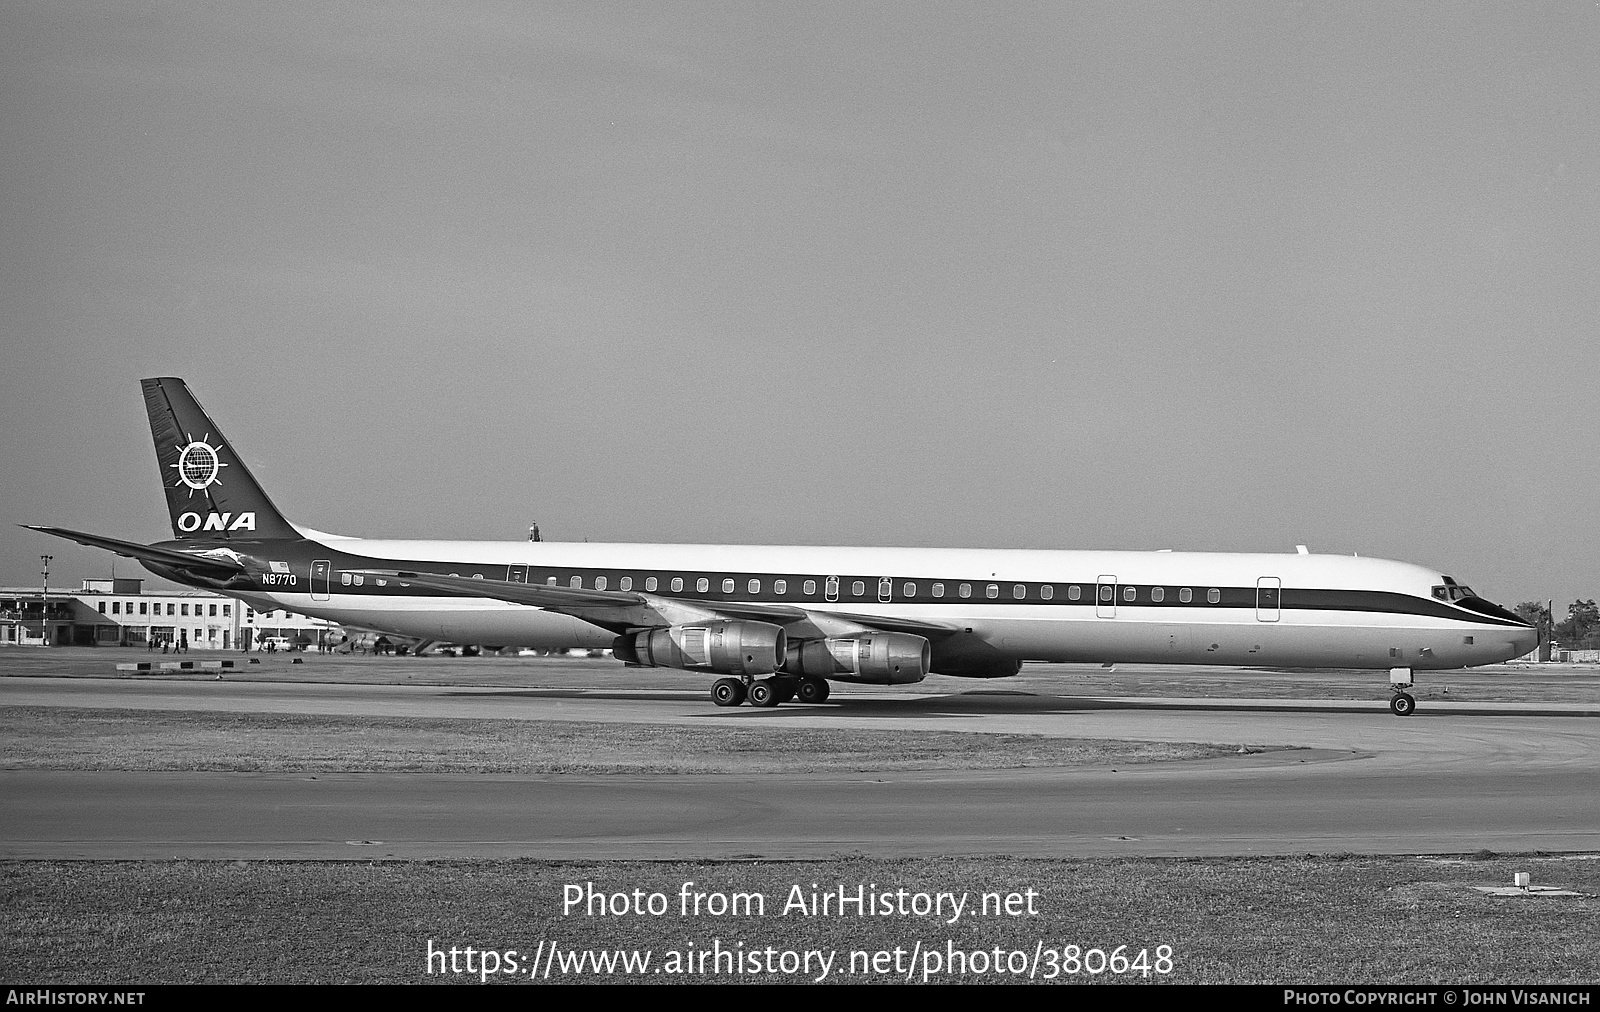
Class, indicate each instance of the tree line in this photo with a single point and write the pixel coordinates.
(1580, 631)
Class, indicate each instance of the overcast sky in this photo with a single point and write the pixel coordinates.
(1189, 276)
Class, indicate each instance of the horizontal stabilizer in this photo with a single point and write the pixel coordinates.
(216, 565)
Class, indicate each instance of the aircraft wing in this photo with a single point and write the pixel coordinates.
(622, 610)
(539, 595)
(218, 565)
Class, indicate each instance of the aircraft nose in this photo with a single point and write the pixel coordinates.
(1525, 640)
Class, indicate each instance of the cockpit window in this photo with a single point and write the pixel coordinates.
(1452, 591)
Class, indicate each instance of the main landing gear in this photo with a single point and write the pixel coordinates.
(1402, 703)
(771, 691)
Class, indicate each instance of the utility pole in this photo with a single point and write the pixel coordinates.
(44, 605)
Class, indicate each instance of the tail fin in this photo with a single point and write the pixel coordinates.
(211, 494)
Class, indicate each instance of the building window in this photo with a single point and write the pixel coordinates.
(170, 606)
(702, 585)
(1213, 595)
(1158, 594)
(213, 611)
(1047, 592)
(1074, 592)
(227, 610)
(1185, 595)
(144, 607)
(116, 607)
(102, 606)
(185, 609)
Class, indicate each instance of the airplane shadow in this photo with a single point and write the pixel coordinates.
(981, 703)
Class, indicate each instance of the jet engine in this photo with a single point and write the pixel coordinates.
(874, 658)
(728, 648)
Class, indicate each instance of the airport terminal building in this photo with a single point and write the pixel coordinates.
(121, 613)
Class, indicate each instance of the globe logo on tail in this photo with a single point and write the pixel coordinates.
(198, 465)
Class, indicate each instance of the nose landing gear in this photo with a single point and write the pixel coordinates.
(1402, 703)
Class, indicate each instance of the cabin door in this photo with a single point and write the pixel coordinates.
(1105, 597)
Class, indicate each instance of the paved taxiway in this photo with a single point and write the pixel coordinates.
(1455, 777)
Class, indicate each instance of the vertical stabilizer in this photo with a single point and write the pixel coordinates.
(211, 494)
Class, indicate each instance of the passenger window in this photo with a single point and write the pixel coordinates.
(576, 581)
(344, 578)
(780, 587)
(992, 591)
(810, 588)
(677, 584)
(551, 582)
(1074, 592)
(650, 583)
(832, 588)
(1020, 591)
(754, 586)
(909, 590)
(1129, 593)
(938, 590)
(627, 583)
(1047, 592)
(727, 585)
(1185, 595)
(702, 585)
(1213, 595)
(599, 583)
(1106, 593)
(965, 590)
(1158, 594)
(359, 581)
(858, 588)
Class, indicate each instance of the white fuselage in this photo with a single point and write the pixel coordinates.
(1370, 613)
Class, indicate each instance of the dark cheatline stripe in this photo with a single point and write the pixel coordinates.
(1292, 599)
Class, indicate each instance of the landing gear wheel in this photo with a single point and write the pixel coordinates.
(813, 690)
(765, 693)
(727, 692)
(1402, 705)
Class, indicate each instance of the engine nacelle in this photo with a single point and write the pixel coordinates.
(874, 658)
(728, 648)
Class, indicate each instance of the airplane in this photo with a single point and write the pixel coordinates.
(781, 622)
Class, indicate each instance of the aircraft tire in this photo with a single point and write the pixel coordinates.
(1403, 704)
(763, 692)
(727, 692)
(812, 690)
